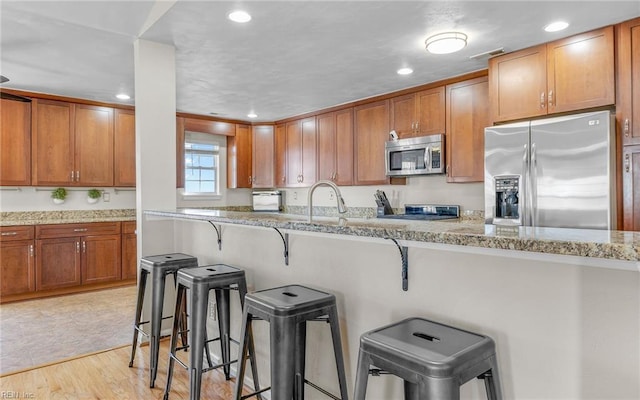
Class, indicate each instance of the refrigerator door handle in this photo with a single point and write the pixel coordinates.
(524, 186)
(533, 203)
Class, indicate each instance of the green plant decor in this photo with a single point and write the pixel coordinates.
(59, 193)
(94, 194)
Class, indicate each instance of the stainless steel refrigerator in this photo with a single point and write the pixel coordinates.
(555, 172)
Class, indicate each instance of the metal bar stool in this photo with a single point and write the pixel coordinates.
(200, 281)
(159, 267)
(287, 309)
(432, 358)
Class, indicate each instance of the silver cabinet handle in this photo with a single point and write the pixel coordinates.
(550, 98)
(542, 102)
(30, 250)
(417, 127)
(80, 230)
(84, 246)
(9, 233)
(77, 247)
(627, 163)
(627, 127)
(284, 179)
(249, 180)
(77, 176)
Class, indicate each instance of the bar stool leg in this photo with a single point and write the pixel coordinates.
(224, 321)
(242, 354)
(157, 303)
(183, 311)
(199, 298)
(411, 391)
(177, 324)
(492, 384)
(301, 344)
(334, 322)
(439, 389)
(242, 291)
(282, 357)
(141, 288)
(362, 376)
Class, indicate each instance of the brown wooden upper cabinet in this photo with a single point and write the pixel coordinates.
(263, 156)
(628, 91)
(371, 131)
(301, 145)
(335, 146)
(15, 143)
(72, 144)
(124, 173)
(418, 114)
(239, 154)
(280, 158)
(566, 75)
(468, 115)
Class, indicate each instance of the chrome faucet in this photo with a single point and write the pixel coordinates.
(342, 208)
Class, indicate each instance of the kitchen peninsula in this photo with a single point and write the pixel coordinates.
(534, 291)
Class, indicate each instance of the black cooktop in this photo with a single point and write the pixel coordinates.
(426, 212)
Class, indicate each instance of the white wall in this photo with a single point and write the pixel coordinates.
(562, 331)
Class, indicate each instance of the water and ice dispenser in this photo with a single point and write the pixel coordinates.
(507, 190)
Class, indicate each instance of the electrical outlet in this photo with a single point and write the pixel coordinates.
(295, 195)
(331, 195)
(212, 310)
(106, 197)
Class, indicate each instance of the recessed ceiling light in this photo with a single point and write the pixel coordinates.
(444, 43)
(252, 115)
(405, 71)
(556, 26)
(239, 16)
(123, 96)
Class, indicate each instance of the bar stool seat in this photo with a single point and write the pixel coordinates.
(287, 309)
(159, 266)
(433, 359)
(196, 283)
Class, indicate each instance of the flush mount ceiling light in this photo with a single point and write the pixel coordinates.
(445, 43)
(123, 96)
(556, 26)
(239, 16)
(252, 115)
(404, 71)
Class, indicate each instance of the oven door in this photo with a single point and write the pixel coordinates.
(407, 160)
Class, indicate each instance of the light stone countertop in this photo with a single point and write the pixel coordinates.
(600, 244)
(65, 217)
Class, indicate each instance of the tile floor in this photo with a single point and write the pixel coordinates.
(37, 332)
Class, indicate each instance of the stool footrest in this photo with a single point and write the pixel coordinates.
(320, 319)
(178, 360)
(137, 328)
(218, 366)
(255, 393)
(321, 390)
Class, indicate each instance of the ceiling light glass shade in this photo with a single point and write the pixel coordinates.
(556, 26)
(252, 115)
(123, 96)
(405, 71)
(239, 16)
(444, 43)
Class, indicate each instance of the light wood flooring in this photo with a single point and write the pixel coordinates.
(107, 375)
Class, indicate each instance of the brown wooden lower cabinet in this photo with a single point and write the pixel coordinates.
(100, 259)
(58, 263)
(129, 251)
(17, 266)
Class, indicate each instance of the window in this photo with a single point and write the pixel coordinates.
(202, 164)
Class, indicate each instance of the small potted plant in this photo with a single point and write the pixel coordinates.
(93, 195)
(58, 195)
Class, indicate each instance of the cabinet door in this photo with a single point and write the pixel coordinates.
(93, 145)
(335, 146)
(15, 143)
(402, 115)
(58, 263)
(17, 267)
(281, 155)
(518, 84)
(631, 187)
(124, 164)
(326, 127)
(580, 71)
(263, 157)
(468, 115)
(101, 258)
(53, 143)
(628, 91)
(294, 153)
(239, 156)
(371, 130)
(129, 251)
(309, 151)
(430, 111)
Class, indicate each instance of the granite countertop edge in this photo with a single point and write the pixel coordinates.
(613, 245)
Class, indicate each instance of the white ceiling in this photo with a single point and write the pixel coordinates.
(293, 57)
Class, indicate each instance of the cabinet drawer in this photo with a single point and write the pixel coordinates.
(70, 230)
(16, 233)
(128, 227)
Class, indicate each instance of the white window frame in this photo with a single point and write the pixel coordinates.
(202, 138)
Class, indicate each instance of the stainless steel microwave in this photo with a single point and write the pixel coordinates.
(415, 156)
